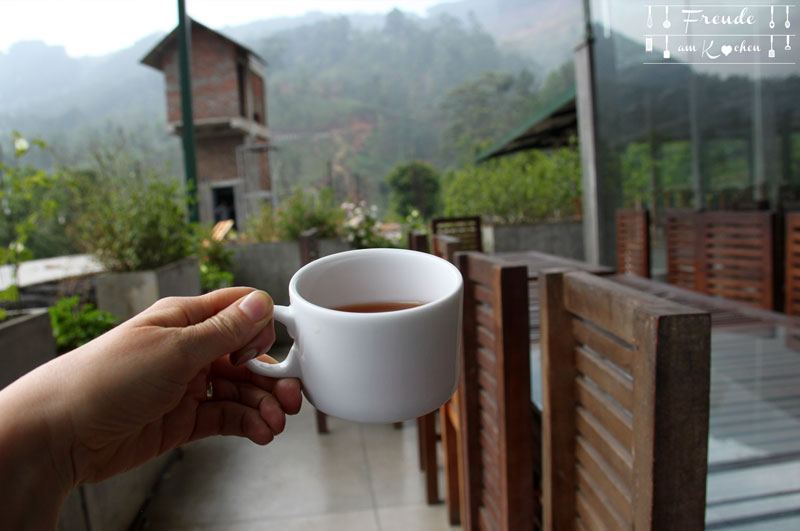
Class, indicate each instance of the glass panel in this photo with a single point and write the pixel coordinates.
(694, 110)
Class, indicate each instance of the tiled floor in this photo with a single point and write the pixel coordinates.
(357, 477)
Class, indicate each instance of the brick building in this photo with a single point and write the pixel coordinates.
(229, 99)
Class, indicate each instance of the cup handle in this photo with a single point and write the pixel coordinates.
(290, 367)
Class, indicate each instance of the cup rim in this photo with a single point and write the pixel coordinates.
(294, 295)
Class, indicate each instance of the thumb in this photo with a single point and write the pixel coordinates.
(229, 329)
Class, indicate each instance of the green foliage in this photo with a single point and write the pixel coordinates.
(308, 209)
(362, 228)
(414, 186)
(27, 204)
(526, 187)
(261, 227)
(75, 324)
(215, 259)
(131, 222)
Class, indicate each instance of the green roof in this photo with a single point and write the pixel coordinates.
(551, 125)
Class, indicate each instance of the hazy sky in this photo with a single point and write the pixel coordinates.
(94, 27)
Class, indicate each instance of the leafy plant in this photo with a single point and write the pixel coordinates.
(414, 186)
(362, 228)
(131, 222)
(75, 324)
(215, 258)
(24, 207)
(308, 209)
(523, 188)
(261, 227)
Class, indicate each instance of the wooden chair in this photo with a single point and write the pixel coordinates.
(626, 404)
(792, 249)
(633, 242)
(680, 241)
(495, 422)
(735, 257)
(466, 229)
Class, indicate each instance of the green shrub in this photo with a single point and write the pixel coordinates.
(362, 228)
(308, 209)
(522, 188)
(261, 227)
(215, 259)
(74, 324)
(413, 186)
(131, 222)
(27, 206)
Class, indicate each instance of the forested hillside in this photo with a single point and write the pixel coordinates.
(349, 96)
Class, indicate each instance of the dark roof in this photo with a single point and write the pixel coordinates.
(551, 125)
(153, 57)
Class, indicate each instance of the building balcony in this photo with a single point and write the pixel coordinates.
(222, 126)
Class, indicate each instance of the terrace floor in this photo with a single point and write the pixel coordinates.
(357, 477)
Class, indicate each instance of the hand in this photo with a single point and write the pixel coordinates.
(140, 389)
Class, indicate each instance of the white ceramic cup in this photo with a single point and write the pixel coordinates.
(373, 367)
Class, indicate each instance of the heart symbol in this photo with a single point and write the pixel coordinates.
(727, 49)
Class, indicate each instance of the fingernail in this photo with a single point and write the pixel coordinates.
(241, 358)
(255, 306)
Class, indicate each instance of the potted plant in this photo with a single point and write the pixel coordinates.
(136, 226)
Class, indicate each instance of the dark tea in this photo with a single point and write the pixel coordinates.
(377, 307)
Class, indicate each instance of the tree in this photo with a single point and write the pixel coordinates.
(414, 185)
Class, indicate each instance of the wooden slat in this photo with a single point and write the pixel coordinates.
(617, 421)
(612, 487)
(618, 456)
(586, 513)
(466, 229)
(598, 500)
(595, 339)
(484, 316)
(619, 387)
(482, 293)
(735, 256)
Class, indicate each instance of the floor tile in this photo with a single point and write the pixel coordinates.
(416, 517)
(300, 473)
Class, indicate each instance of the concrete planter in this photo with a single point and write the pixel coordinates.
(26, 341)
(564, 238)
(126, 294)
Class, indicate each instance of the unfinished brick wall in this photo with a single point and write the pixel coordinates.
(215, 91)
(216, 158)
